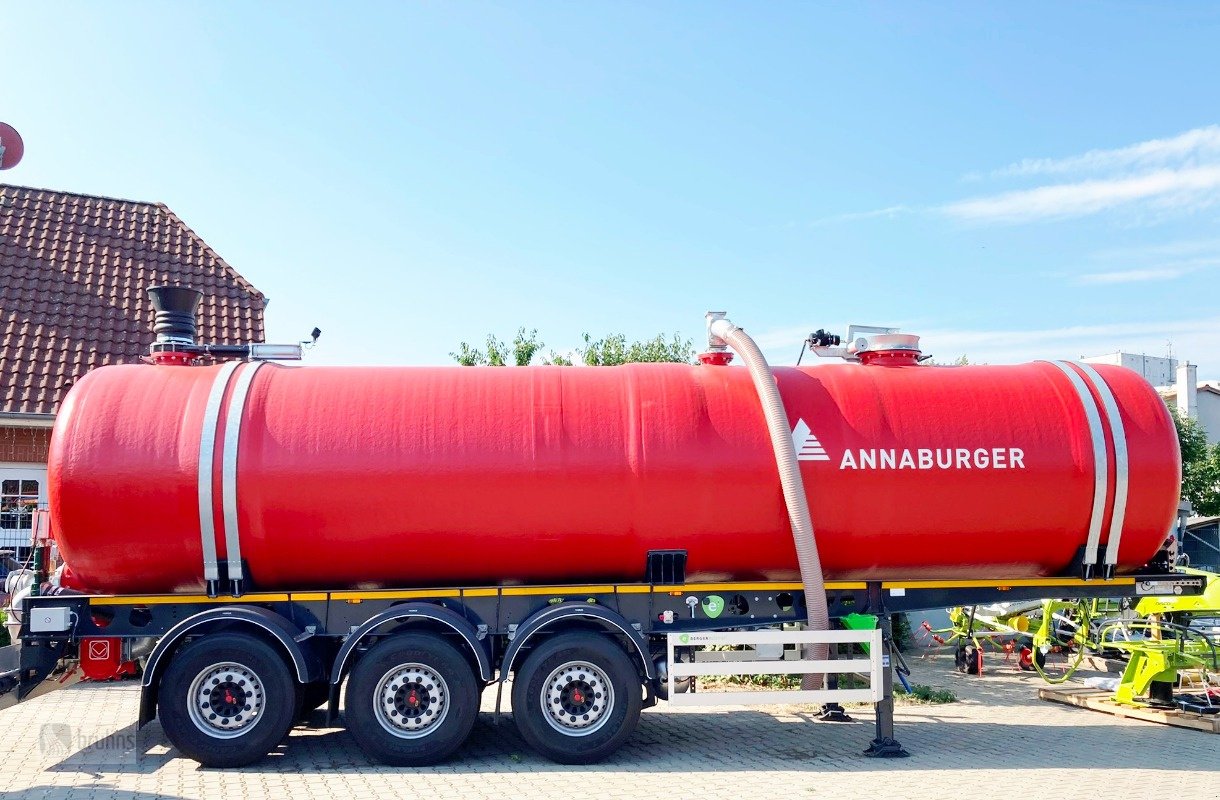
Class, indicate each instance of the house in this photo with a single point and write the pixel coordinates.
(73, 270)
(1178, 384)
(1199, 401)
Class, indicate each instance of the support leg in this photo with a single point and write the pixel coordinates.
(884, 745)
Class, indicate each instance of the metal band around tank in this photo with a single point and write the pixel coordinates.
(228, 468)
(1101, 466)
(1122, 464)
(207, 452)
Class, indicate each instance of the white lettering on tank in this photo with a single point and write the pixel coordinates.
(923, 458)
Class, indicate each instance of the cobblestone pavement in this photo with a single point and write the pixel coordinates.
(999, 740)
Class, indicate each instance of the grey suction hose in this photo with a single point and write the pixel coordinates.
(790, 479)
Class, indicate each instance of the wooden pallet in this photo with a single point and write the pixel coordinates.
(1102, 700)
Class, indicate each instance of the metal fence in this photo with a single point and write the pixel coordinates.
(784, 659)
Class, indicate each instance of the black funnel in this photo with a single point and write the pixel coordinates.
(175, 307)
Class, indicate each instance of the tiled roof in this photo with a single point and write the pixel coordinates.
(73, 270)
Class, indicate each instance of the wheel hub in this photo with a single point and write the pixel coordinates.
(577, 698)
(411, 700)
(225, 700)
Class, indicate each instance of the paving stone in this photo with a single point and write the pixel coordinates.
(999, 739)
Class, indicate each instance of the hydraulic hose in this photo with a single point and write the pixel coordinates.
(790, 480)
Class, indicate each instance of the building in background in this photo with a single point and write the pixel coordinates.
(1156, 370)
(1199, 401)
(1201, 542)
(73, 270)
(1178, 383)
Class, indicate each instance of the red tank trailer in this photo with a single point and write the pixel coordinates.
(367, 477)
(579, 534)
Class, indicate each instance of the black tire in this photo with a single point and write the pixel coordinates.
(614, 725)
(419, 692)
(247, 742)
(967, 659)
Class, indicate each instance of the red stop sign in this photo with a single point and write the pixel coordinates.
(14, 148)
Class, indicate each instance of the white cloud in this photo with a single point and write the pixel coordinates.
(1161, 272)
(1194, 146)
(782, 338)
(1195, 339)
(1183, 247)
(1130, 276)
(1182, 189)
(889, 212)
(1157, 178)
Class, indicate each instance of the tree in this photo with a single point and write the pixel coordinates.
(1200, 466)
(960, 361)
(608, 351)
(614, 350)
(524, 347)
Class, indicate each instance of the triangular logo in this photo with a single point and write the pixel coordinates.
(808, 448)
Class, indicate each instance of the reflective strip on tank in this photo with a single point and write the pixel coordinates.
(1101, 466)
(1122, 466)
(207, 451)
(228, 468)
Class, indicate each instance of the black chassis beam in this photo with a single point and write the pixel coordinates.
(653, 610)
(647, 607)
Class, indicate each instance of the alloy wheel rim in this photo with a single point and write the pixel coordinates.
(226, 700)
(411, 701)
(577, 698)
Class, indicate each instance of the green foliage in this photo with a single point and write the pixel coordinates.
(904, 640)
(1200, 466)
(920, 694)
(614, 350)
(605, 352)
(924, 695)
(467, 356)
(960, 361)
(498, 354)
(757, 681)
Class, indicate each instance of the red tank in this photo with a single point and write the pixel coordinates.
(371, 477)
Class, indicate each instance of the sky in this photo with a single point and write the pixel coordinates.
(1010, 181)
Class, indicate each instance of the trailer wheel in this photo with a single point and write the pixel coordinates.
(577, 698)
(411, 700)
(226, 700)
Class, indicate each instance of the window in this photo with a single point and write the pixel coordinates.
(18, 499)
(22, 491)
